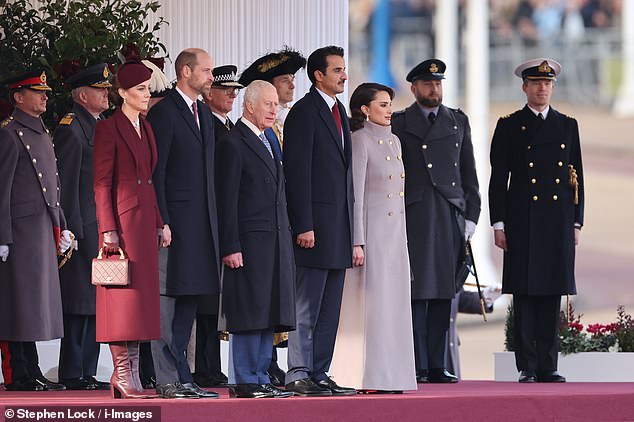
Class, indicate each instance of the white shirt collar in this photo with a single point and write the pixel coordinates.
(544, 113)
(327, 98)
(188, 100)
(223, 119)
(251, 126)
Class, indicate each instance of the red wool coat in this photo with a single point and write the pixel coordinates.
(126, 202)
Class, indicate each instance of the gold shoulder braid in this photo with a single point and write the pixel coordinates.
(573, 182)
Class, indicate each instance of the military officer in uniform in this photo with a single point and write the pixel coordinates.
(442, 206)
(537, 216)
(73, 141)
(32, 232)
(279, 69)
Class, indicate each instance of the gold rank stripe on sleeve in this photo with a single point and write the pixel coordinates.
(6, 122)
(67, 119)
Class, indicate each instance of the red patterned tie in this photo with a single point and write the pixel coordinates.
(337, 116)
(195, 110)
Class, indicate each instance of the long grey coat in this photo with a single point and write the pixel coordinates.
(441, 186)
(375, 325)
(30, 299)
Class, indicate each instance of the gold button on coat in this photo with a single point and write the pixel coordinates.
(401, 194)
(533, 181)
(557, 181)
(402, 175)
(34, 161)
(43, 189)
(560, 164)
(381, 142)
(39, 175)
(424, 146)
(398, 157)
(28, 147)
(528, 147)
(535, 198)
(555, 197)
(389, 177)
(388, 158)
(429, 165)
(390, 195)
(531, 164)
(563, 146)
(390, 213)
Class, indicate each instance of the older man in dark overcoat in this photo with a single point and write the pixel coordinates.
(442, 208)
(258, 290)
(32, 231)
(537, 216)
(184, 183)
(74, 144)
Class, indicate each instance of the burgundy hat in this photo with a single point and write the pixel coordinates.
(133, 73)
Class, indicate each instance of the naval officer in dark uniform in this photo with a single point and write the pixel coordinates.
(442, 206)
(537, 216)
(32, 232)
(74, 143)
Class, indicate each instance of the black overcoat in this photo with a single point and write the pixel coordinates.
(529, 192)
(253, 220)
(209, 304)
(184, 183)
(441, 187)
(319, 182)
(74, 144)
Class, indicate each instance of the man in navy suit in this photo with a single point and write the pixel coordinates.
(184, 183)
(258, 296)
(317, 164)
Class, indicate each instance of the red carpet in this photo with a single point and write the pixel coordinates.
(465, 401)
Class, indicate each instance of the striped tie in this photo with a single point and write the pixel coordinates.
(266, 143)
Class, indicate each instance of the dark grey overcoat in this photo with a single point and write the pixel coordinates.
(74, 144)
(184, 183)
(441, 187)
(253, 220)
(30, 217)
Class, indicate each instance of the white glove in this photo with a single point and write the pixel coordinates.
(4, 252)
(491, 293)
(469, 229)
(65, 240)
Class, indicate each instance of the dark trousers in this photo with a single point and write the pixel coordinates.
(177, 317)
(146, 363)
(536, 332)
(19, 361)
(251, 355)
(207, 345)
(79, 350)
(431, 323)
(318, 303)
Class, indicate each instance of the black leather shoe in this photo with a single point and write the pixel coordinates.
(49, 385)
(175, 391)
(98, 385)
(276, 374)
(249, 391)
(422, 376)
(528, 376)
(76, 384)
(24, 385)
(553, 376)
(276, 392)
(335, 389)
(148, 383)
(307, 387)
(217, 379)
(203, 394)
(441, 376)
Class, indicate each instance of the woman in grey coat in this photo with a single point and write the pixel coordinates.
(374, 350)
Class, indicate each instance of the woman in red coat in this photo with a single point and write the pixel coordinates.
(128, 217)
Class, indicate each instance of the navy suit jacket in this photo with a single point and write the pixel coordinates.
(184, 183)
(319, 190)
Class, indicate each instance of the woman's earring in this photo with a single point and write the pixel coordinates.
(124, 100)
(367, 117)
